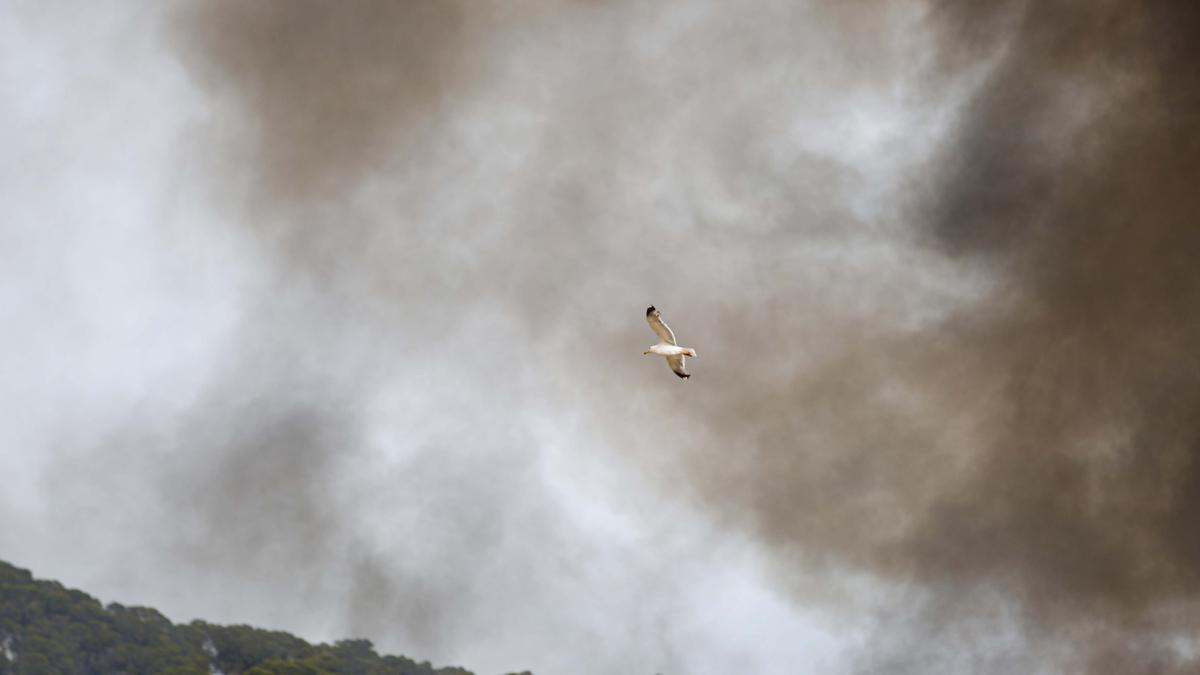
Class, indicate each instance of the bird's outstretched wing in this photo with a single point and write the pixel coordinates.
(679, 365)
(660, 328)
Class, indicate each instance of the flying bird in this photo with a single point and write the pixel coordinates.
(676, 355)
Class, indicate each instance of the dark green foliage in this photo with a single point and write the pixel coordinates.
(52, 630)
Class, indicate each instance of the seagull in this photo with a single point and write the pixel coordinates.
(676, 355)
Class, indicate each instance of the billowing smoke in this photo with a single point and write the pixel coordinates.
(938, 259)
(1069, 174)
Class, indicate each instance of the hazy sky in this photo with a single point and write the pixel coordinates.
(327, 317)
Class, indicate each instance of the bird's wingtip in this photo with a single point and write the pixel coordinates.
(650, 310)
(683, 375)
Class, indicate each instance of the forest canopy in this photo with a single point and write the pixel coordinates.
(46, 629)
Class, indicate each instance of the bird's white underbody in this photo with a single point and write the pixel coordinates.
(664, 349)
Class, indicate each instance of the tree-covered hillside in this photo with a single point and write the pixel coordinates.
(46, 629)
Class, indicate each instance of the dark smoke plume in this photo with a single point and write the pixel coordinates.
(1072, 172)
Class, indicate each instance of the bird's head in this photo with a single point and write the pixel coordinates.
(690, 352)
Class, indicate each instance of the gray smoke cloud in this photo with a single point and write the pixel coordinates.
(937, 259)
(1067, 174)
